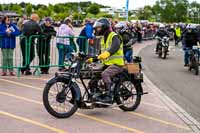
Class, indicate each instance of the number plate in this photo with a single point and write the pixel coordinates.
(194, 47)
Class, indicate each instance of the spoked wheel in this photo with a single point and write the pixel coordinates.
(196, 68)
(59, 99)
(129, 96)
(195, 65)
(160, 54)
(165, 55)
(190, 68)
(165, 52)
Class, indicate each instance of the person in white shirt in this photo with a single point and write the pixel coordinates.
(63, 42)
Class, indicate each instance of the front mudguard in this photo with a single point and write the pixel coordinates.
(73, 85)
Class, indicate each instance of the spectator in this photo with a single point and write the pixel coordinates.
(8, 31)
(30, 28)
(1, 20)
(190, 38)
(86, 32)
(138, 32)
(63, 44)
(43, 47)
(72, 43)
(21, 22)
(177, 34)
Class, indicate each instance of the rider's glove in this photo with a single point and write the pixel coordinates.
(104, 55)
(90, 60)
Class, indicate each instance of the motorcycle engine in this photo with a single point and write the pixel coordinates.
(96, 85)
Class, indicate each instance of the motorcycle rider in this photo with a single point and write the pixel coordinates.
(111, 55)
(178, 33)
(161, 33)
(127, 39)
(190, 38)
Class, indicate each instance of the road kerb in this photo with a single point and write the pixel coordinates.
(181, 113)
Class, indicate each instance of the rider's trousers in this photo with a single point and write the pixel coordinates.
(109, 72)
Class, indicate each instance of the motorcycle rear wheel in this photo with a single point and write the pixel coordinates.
(196, 69)
(195, 64)
(128, 92)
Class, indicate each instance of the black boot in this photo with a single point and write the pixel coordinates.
(107, 97)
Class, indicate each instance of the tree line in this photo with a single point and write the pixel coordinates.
(162, 11)
(171, 11)
(58, 11)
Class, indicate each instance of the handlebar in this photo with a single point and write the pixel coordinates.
(83, 57)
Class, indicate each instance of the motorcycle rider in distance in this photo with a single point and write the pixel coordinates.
(190, 38)
(127, 40)
(111, 56)
(178, 33)
(161, 33)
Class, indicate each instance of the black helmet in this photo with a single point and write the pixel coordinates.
(101, 26)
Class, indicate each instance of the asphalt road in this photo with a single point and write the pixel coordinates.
(22, 111)
(173, 79)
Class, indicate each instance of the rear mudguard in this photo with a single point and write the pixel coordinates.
(136, 82)
(74, 86)
(137, 79)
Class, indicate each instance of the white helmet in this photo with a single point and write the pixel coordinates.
(162, 26)
(121, 26)
(188, 26)
(193, 26)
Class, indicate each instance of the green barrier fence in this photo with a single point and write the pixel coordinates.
(41, 52)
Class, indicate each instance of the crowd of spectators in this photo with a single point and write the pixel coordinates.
(45, 29)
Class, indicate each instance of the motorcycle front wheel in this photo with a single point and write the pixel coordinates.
(160, 53)
(165, 52)
(196, 67)
(59, 103)
(129, 95)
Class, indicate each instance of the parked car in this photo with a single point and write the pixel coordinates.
(77, 23)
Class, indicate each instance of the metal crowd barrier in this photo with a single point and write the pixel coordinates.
(48, 52)
(148, 34)
(39, 53)
(16, 58)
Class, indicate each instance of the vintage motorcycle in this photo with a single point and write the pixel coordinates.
(163, 47)
(81, 85)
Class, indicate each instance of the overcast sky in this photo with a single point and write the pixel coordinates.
(114, 3)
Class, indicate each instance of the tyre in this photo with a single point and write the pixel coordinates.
(165, 55)
(160, 51)
(197, 70)
(165, 52)
(190, 68)
(56, 101)
(160, 54)
(128, 95)
(196, 65)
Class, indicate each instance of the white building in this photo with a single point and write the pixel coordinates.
(120, 13)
